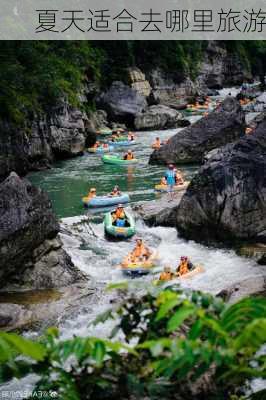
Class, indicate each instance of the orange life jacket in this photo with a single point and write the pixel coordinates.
(139, 251)
(166, 276)
(119, 214)
(183, 268)
(130, 156)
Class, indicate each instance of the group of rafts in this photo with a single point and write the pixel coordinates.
(120, 224)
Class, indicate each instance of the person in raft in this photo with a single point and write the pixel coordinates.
(166, 274)
(170, 176)
(119, 216)
(140, 252)
(157, 144)
(185, 266)
(163, 181)
(178, 178)
(116, 191)
(91, 194)
(129, 156)
(130, 137)
(96, 145)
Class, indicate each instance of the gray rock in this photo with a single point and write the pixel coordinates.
(63, 133)
(220, 68)
(122, 102)
(245, 288)
(221, 126)
(159, 212)
(31, 253)
(45, 308)
(226, 201)
(261, 98)
(157, 117)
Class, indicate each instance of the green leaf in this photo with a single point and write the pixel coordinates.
(119, 285)
(179, 317)
(253, 335)
(99, 352)
(5, 350)
(26, 347)
(166, 307)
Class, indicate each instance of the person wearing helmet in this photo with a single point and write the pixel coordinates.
(170, 176)
(119, 216)
(129, 155)
(116, 191)
(91, 194)
(140, 252)
(166, 275)
(184, 266)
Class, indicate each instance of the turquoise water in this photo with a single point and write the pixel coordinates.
(68, 181)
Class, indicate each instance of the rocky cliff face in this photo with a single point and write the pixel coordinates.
(216, 129)
(227, 199)
(138, 82)
(31, 253)
(219, 68)
(63, 133)
(122, 103)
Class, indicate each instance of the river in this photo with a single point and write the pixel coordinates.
(68, 181)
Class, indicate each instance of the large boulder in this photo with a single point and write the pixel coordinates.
(121, 102)
(220, 127)
(157, 117)
(226, 200)
(64, 132)
(31, 253)
(137, 81)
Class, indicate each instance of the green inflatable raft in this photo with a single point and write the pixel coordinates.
(121, 232)
(116, 160)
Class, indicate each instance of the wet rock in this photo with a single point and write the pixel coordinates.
(159, 212)
(256, 251)
(63, 133)
(226, 200)
(157, 117)
(31, 253)
(39, 310)
(244, 288)
(220, 68)
(121, 102)
(221, 126)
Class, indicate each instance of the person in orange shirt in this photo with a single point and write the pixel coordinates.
(129, 155)
(91, 194)
(157, 144)
(130, 137)
(178, 178)
(118, 214)
(167, 274)
(96, 145)
(115, 191)
(248, 130)
(184, 266)
(140, 251)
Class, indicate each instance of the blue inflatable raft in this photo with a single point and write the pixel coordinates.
(105, 201)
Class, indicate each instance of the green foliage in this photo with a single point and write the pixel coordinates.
(176, 338)
(35, 74)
